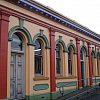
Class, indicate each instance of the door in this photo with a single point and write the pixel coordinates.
(17, 76)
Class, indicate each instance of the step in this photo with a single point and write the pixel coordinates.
(72, 94)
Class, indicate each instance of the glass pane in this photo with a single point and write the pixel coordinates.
(82, 69)
(58, 66)
(38, 47)
(81, 55)
(69, 67)
(69, 53)
(58, 59)
(69, 61)
(57, 51)
(38, 65)
(38, 57)
(16, 43)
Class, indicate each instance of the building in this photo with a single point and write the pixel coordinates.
(41, 50)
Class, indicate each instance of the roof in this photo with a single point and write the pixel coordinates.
(50, 13)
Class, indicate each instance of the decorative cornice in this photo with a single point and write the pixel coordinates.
(65, 21)
(51, 27)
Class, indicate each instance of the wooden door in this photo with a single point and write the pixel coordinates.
(17, 76)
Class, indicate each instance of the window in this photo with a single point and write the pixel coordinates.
(58, 59)
(82, 60)
(70, 61)
(17, 43)
(83, 65)
(81, 55)
(38, 57)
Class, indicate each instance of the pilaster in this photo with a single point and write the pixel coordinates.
(52, 61)
(90, 64)
(78, 63)
(4, 24)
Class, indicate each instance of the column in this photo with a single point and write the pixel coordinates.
(78, 62)
(90, 64)
(4, 22)
(52, 61)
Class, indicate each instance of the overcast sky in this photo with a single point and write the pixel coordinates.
(85, 12)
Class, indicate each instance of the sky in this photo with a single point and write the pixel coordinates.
(85, 12)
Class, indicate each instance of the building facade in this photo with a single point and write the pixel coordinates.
(41, 51)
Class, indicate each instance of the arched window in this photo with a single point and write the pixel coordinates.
(58, 59)
(38, 57)
(70, 61)
(93, 62)
(82, 55)
(82, 58)
(17, 42)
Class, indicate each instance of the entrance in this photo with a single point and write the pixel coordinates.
(17, 69)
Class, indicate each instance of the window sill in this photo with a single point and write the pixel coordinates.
(93, 76)
(69, 77)
(38, 78)
(60, 77)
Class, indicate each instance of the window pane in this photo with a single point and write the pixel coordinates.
(57, 51)
(38, 57)
(38, 47)
(58, 66)
(58, 59)
(16, 43)
(81, 55)
(69, 61)
(82, 68)
(69, 52)
(69, 67)
(38, 65)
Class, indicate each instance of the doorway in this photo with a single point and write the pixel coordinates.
(17, 68)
